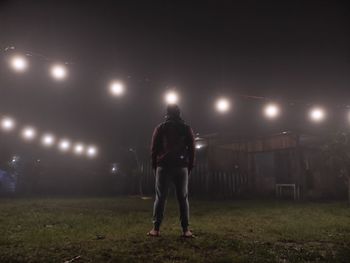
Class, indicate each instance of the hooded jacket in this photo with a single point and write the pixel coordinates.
(173, 144)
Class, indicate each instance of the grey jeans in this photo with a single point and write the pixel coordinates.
(179, 177)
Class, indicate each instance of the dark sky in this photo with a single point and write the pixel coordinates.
(286, 50)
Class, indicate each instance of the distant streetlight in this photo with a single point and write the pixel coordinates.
(171, 97)
(199, 146)
(19, 63)
(271, 111)
(7, 124)
(64, 145)
(114, 168)
(79, 148)
(222, 105)
(48, 140)
(317, 114)
(116, 88)
(15, 159)
(58, 71)
(91, 151)
(28, 133)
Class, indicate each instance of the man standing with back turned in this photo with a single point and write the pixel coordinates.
(172, 153)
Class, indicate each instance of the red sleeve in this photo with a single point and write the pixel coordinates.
(155, 146)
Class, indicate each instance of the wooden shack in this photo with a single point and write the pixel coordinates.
(265, 162)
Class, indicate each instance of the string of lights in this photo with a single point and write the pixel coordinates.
(48, 140)
(271, 110)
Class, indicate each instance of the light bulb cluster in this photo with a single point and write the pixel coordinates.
(20, 63)
(48, 140)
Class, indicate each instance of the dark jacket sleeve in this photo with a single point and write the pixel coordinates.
(155, 146)
(191, 148)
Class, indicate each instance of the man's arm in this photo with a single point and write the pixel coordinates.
(155, 145)
(191, 148)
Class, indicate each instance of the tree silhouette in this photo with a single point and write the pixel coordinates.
(337, 153)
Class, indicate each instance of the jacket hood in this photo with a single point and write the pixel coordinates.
(171, 118)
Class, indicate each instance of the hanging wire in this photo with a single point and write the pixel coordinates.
(33, 54)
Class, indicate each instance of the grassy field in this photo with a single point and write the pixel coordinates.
(114, 230)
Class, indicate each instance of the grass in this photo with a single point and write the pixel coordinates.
(113, 230)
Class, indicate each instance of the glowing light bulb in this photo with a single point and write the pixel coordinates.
(19, 63)
(317, 114)
(48, 140)
(7, 124)
(271, 111)
(64, 145)
(222, 105)
(171, 97)
(59, 72)
(116, 88)
(91, 151)
(29, 133)
(79, 148)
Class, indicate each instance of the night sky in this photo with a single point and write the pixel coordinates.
(295, 52)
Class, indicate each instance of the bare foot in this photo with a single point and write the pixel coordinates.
(188, 234)
(154, 233)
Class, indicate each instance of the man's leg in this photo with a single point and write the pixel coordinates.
(162, 185)
(180, 178)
